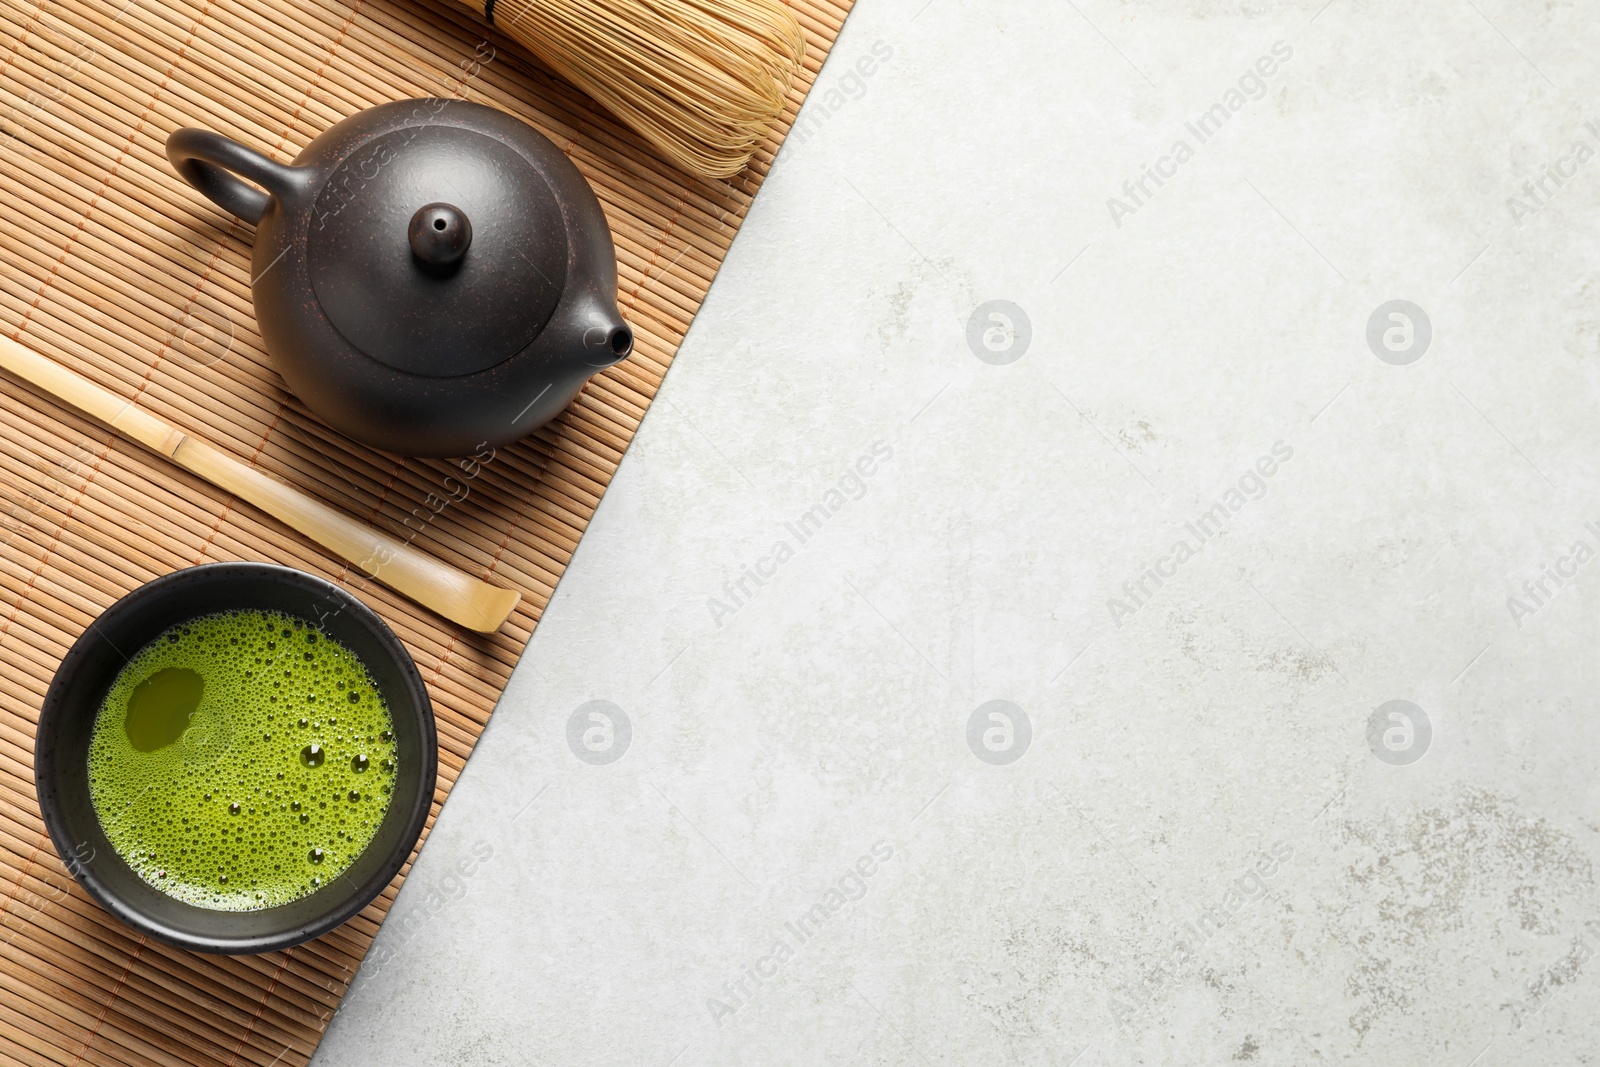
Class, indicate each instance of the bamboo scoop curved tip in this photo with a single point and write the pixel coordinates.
(435, 585)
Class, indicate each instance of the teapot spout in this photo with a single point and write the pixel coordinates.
(607, 340)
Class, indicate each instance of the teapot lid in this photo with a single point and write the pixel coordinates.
(437, 250)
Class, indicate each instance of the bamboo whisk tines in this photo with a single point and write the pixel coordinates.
(702, 80)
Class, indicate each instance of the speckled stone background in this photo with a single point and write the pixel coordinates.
(968, 379)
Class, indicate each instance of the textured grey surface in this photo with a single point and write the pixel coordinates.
(1217, 846)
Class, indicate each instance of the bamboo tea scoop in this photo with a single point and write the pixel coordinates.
(458, 597)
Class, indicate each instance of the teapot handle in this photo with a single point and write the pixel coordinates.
(214, 164)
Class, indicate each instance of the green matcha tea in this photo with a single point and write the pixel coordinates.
(241, 760)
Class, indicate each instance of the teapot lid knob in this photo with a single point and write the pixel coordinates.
(440, 234)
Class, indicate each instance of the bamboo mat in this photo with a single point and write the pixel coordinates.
(113, 266)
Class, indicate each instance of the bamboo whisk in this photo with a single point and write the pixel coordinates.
(702, 80)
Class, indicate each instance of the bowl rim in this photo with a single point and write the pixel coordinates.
(51, 712)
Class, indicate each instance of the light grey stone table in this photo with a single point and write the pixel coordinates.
(1109, 579)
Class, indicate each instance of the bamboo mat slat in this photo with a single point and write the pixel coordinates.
(110, 264)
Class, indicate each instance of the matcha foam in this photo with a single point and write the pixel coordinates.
(241, 760)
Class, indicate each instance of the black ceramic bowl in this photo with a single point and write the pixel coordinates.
(61, 754)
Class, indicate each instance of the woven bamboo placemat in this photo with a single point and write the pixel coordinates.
(113, 266)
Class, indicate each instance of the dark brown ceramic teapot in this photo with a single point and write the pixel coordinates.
(429, 275)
